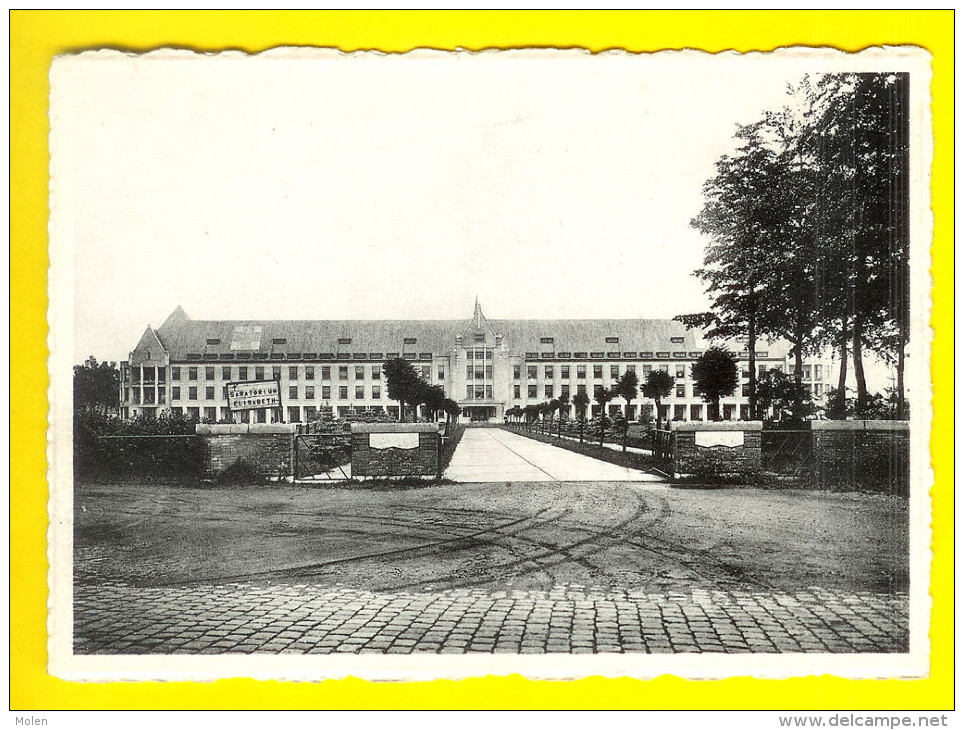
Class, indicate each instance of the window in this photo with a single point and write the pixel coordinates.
(488, 354)
(376, 372)
(259, 372)
(580, 371)
(680, 371)
(209, 393)
(276, 372)
(325, 392)
(479, 392)
(612, 340)
(409, 340)
(565, 392)
(294, 414)
(175, 394)
(517, 391)
(546, 340)
(548, 372)
(565, 372)
(161, 374)
(226, 373)
(581, 389)
(807, 372)
(359, 392)
(614, 372)
(676, 340)
(359, 372)
(441, 372)
(647, 369)
(427, 372)
(595, 355)
(209, 373)
(532, 372)
(191, 393)
(818, 389)
(596, 390)
(293, 392)
(664, 368)
(279, 341)
(630, 368)
(242, 373)
(214, 340)
(745, 390)
(548, 391)
(469, 372)
(344, 340)
(479, 372)
(293, 372)
(224, 392)
(532, 392)
(597, 371)
(480, 336)
(192, 373)
(818, 372)
(488, 372)
(343, 372)
(488, 391)
(468, 392)
(309, 392)
(175, 373)
(517, 372)
(343, 392)
(376, 392)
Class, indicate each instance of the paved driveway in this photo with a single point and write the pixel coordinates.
(494, 455)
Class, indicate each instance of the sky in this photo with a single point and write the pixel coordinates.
(369, 186)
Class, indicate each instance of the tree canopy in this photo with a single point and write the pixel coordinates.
(715, 376)
(96, 387)
(807, 226)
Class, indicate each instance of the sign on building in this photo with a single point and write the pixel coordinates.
(254, 394)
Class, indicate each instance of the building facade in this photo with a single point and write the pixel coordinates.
(486, 366)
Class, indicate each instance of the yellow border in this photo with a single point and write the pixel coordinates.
(36, 36)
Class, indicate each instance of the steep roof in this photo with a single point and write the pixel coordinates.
(149, 349)
(182, 335)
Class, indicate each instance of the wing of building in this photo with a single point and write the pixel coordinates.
(488, 366)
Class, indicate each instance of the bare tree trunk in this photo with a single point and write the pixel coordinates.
(842, 378)
(901, 410)
(751, 347)
(859, 361)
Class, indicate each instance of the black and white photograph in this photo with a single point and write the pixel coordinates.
(447, 364)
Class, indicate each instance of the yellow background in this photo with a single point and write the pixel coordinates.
(37, 36)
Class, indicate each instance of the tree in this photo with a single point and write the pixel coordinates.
(450, 408)
(433, 396)
(553, 407)
(581, 401)
(96, 387)
(602, 396)
(715, 376)
(563, 410)
(404, 383)
(783, 396)
(658, 385)
(626, 388)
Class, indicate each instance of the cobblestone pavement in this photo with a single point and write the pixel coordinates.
(115, 618)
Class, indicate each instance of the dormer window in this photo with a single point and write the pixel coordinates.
(546, 340)
(344, 340)
(410, 340)
(214, 340)
(676, 340)
(279, 341)
(480, 336)
(612, 340)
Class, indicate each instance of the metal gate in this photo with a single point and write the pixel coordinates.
(322, 456)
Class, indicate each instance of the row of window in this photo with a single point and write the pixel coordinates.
(309, 392)
(295, 372)
(565, 371)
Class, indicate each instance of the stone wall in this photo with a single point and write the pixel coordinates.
(862, 455)
(716, 447)
(395, 449)
(268, 448)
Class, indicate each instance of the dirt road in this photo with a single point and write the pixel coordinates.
(496, 536)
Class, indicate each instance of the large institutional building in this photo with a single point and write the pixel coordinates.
(487, 366)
